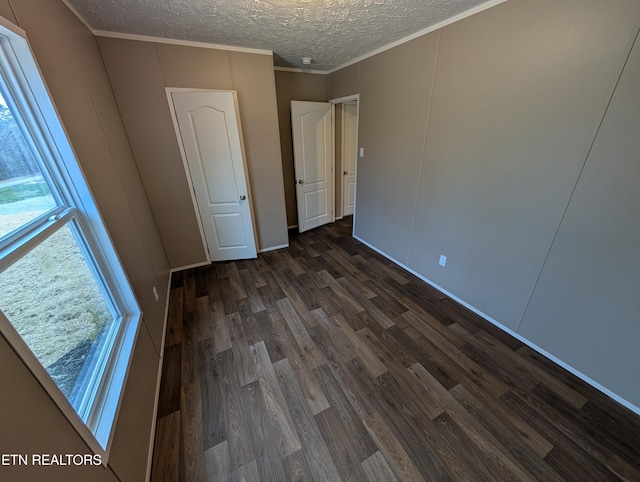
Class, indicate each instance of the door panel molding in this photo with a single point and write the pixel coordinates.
(313, 153)
(207, 124)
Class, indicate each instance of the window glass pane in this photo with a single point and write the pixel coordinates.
(53, 300)
(24, 193)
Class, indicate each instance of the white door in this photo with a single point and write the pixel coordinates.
(211, 138)
(313, 162)
(349, 156)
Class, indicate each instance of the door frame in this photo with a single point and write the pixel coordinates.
(344, 154)
(343, 100)
(187, 171)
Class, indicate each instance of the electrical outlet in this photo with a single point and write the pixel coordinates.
(362, 152)
(155, 293)
(443, 260)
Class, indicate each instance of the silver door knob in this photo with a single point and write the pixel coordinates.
(300, 181)
(243, 197)
(345, 173)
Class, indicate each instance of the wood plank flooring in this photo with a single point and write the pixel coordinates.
(326, 362)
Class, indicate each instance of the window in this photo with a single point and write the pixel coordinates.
(65, 304)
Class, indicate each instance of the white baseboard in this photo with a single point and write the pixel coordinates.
(195, 265)
(154, 421)
(158, 381)
(273, 248)
(293, 226)
(519, 337)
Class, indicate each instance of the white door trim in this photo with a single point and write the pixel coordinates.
(347, 98)
(342, 100)
(343, 142)
(345, 154)
(333, 161)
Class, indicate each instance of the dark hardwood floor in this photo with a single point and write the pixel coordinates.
(326, 362)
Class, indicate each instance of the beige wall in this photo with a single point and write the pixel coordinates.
(337, 127)
(345, 82)
(70, 61)
(394, 104)
(6, 12)
(295, 86)
(588, 289)
(474, 137)
(139, 73)
(33, 424)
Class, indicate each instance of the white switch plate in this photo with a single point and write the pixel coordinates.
(362, 152)
(443, 260)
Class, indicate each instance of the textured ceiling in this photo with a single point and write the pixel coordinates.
(331, 32)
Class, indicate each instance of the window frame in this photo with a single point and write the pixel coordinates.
(25, 86)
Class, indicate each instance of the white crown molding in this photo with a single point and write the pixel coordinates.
(301, 71)
(80, 17)
(420, 33)
(189, 43)
(184, 43)
(162, 40)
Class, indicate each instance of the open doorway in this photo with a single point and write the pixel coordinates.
(325, 150)
(349, 155)
(346, 154)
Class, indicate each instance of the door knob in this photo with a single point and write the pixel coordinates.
(345, 173)
(300, 181)
(243, 197)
